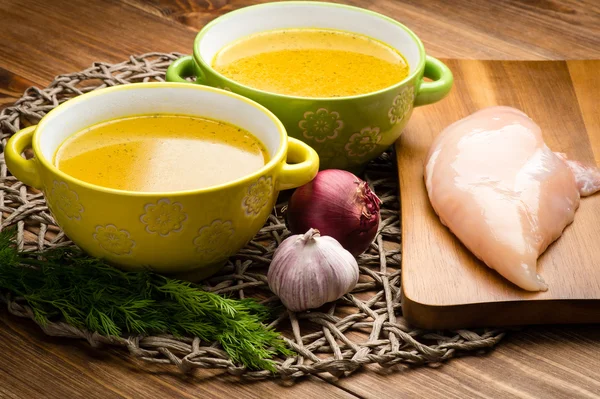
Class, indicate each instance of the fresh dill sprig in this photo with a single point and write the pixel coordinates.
(88, 293)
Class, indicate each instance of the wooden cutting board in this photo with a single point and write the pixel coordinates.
(444, 285)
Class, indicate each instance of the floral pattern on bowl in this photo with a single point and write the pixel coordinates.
(212, 239)
(163, 217)
(259, 194)
(66, 200)
(333, 154)
(364, 142)
(401, 105)
(114, 240)
(321, 125)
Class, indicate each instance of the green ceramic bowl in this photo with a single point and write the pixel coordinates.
(346, 132)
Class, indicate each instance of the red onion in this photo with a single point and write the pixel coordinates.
(339, 205)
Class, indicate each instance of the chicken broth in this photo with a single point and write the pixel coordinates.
(154, 153)
(311, 62)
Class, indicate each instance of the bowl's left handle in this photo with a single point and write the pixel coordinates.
(181, 69)
(303, 168)
(23, 169)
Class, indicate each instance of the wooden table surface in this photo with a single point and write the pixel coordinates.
(42, 38)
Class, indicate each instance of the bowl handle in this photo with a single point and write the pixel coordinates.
(23, 169)
(441, 76)
(181, 69)
(304, 166)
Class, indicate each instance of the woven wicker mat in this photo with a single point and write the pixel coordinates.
(363, 327)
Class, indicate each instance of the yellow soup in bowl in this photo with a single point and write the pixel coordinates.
(193, 224)
(311, 62)
(157, 153)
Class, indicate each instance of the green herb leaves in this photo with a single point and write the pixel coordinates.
(87, 293)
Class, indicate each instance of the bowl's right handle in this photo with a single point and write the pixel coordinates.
(439, 87)
(23, 169)
(304, 166)
(181, 69)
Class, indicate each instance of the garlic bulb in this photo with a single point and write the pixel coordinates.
(308, 271)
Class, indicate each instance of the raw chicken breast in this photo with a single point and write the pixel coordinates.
(497, 186)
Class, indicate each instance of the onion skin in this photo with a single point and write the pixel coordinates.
(339, 205)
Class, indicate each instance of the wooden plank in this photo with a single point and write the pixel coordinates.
(586, 82)
(35, 365)
(506, 29)
(443, 283)
(41, 39)
(12, 87)
(550, 362)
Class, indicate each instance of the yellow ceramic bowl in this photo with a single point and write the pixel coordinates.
(187, 232)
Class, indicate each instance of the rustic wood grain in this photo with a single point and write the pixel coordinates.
(40, 39)
(444, 285)
(12, 87)
(549, 363)
(34, 365)
(481, 29)
(586, 83)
